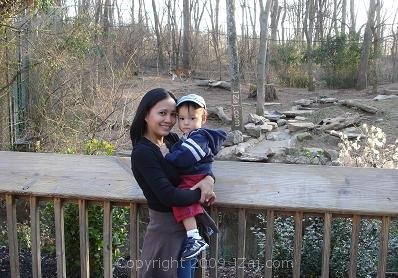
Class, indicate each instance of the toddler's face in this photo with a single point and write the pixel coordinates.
(190, 119)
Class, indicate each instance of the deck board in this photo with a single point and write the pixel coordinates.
(367, 191)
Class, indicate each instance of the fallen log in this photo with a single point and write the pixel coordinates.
(213, 83)
(356, 104)
(338, 123)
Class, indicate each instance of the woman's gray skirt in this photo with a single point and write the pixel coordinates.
(162, 245)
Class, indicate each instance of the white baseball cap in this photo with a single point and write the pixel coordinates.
(192, 98)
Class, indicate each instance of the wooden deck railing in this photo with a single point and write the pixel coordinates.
(272, 188)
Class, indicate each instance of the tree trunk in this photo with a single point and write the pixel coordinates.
(215, 33)
(335, 27)
(283, 21)
(362, 77)
(140, 18)
(376, 45)
(308, 30)
(237, 120)
(394, 49)
(186, 41)
(343, 16)
(158, 37)
(132, 12)
(275, 15)
(262, 55)
(352, 15)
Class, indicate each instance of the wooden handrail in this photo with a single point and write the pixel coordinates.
(270, 188)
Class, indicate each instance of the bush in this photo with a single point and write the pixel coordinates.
(287, 63)
(339, 57)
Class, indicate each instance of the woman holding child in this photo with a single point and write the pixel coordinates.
(152, 139)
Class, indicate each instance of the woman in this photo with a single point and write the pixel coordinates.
(151, 139)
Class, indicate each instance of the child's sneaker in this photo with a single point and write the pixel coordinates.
(193, 247)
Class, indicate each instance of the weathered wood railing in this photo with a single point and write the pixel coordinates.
(272, 188)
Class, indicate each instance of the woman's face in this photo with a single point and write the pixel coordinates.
(161, 118)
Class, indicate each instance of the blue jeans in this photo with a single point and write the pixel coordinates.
(187, 269)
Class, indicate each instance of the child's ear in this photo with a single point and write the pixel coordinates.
(204, 118)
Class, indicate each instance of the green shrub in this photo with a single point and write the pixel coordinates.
(339, 57)
(287, 62)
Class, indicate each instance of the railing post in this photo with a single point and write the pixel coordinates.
(84, 241)
(382, 266)
(327, 227)
(133, 239)
(356, 222)
(35, 234)
(298, 236)
(107, 234)
(240, 262)
(213, 263)
(12, 235)
(269, 241)
(59, 237)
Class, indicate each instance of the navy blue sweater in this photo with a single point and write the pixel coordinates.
(195, 154)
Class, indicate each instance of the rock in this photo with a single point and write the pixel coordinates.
(297, 126)
(350, 135)
(390, 91)
(384, 97)
(312, 156)
(272, 103)
(303, 136)
(232, 152)
(227, 153)
(327, 100)
(253, 158)
(294, 113)
(256, 119)
(233, 138)
(300, 118)
(253, 130)
(246, 137)
(266, 128)
(281, 135)
(275, 125)
(218, 113)
(331, 154)
(304, 102)
(274, 115)
(281, 122)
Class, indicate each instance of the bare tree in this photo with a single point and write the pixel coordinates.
(215, 36)
(158, 36)
(262, 59)
(186, 40)
(283, 21)
(334, 20)
(352, 16)
(132, 12)
(308, 30)
(343, 16)
(275, 15)
(362, 77)
(198, 9)
(237, 120)
(394, 48)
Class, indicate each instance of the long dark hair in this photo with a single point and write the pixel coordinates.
(138, 127)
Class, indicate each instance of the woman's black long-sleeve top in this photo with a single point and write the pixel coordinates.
(158, 178)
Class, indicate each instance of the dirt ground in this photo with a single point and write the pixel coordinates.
(387, 121)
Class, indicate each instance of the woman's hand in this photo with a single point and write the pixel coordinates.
(206, 186)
